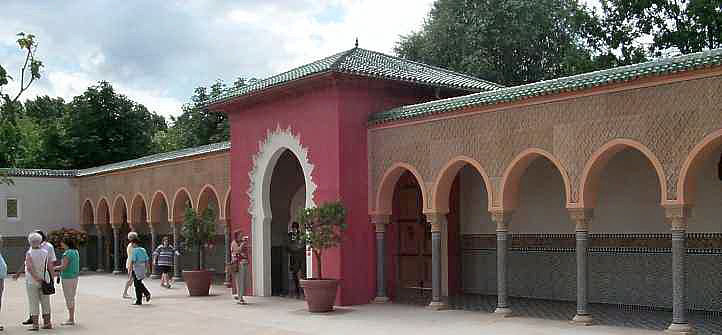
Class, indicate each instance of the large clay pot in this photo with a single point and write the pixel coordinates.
(320, 294)
(198, 282)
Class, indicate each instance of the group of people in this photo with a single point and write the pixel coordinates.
(138, 266)
(41, 267)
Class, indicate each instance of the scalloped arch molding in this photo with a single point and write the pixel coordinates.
(264, 161)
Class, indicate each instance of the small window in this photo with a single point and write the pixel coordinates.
(12, 208)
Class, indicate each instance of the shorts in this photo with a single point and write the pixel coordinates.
(164, 269)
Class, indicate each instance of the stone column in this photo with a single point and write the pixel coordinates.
(153, 244)
(100, 262)
(227, 251)
(582, 217)
(116, 249)
(380, 221)
(436, 220)
(176, 258)
(677, 217)
(502, 219)
(85, 252)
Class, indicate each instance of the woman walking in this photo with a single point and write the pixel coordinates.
(239, 253)
(37, 270)
(128, 254)
(163, 260)
(69, 269)
(140, 266)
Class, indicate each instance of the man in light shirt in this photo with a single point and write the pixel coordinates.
(47, 246)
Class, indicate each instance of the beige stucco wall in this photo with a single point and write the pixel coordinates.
(45, 203)
(668, 118)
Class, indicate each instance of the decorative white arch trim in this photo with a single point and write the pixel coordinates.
(264, 162)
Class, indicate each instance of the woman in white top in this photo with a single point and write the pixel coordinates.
(37, 270)
(128, 253)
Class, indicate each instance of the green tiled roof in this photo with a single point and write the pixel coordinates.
(142, 161)
(362, 62)
(38, 172)
(566, 84)
(157, 158)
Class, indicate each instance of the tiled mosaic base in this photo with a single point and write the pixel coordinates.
(705, 323)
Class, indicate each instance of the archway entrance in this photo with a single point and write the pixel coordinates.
(287, 193)
(413, 244)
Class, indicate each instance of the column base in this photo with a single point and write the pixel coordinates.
(582, 320)
(680, 329)
(504, 312)
(227, 284)
(117, 272)
(100, 270)
(381, 300)
(437, 305)
(84, 269)
(155, 276)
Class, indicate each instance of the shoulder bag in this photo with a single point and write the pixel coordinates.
(47, 288)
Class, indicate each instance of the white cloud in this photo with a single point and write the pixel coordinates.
(157, 52)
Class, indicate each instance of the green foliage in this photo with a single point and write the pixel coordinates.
(199, 231)
(103, 127)
(322, 228)
(507, 42)
(675, 26)
(197, 125)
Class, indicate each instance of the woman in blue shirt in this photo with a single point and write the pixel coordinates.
(141, 267)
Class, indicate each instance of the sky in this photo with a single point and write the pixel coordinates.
(157, 52)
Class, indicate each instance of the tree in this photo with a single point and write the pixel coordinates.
(49, 114)
(103, 127)
(507, 42)
(10, 107)
(198, 125)
(674, 26)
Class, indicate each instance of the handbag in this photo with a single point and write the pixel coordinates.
(45, 287)
(232, 267)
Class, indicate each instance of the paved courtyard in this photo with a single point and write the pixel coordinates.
(101, 311)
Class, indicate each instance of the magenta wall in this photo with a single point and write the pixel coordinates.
(330, 115)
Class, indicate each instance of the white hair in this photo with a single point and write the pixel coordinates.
(35, 239)
(132, 235)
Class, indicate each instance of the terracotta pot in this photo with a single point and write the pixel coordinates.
(320, 294)
(198, 282)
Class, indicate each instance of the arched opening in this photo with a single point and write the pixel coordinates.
(468, 260)
(159, 217)
(139, 220)
(103, 235)
(120, 220)
(628, 229)
(536, 189)
(287, 195)
(182, 201)
(700, 187)
(87, 222)
(408, 244)
(208, 200)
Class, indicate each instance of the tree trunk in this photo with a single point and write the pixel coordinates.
(318, 261)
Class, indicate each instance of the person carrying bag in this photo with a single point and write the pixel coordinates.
(39, 282)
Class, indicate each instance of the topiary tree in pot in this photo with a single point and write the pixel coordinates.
(321, 228)
(198, 232)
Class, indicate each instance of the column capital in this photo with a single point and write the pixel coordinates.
(380, 218)
(677, 215)
(581, 217)
(115, 225)
(436, 220)
(502, 218)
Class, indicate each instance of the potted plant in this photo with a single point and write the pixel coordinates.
(198, 232)
(321, 229)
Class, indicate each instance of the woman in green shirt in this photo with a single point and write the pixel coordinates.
(69, 270)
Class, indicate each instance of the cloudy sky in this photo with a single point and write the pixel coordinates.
(156, 52)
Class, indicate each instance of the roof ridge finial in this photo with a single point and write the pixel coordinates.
(356, 44)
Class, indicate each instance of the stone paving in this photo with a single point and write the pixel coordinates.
(102, 311)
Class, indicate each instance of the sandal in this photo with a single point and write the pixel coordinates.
(34, 328)
(67, 323)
